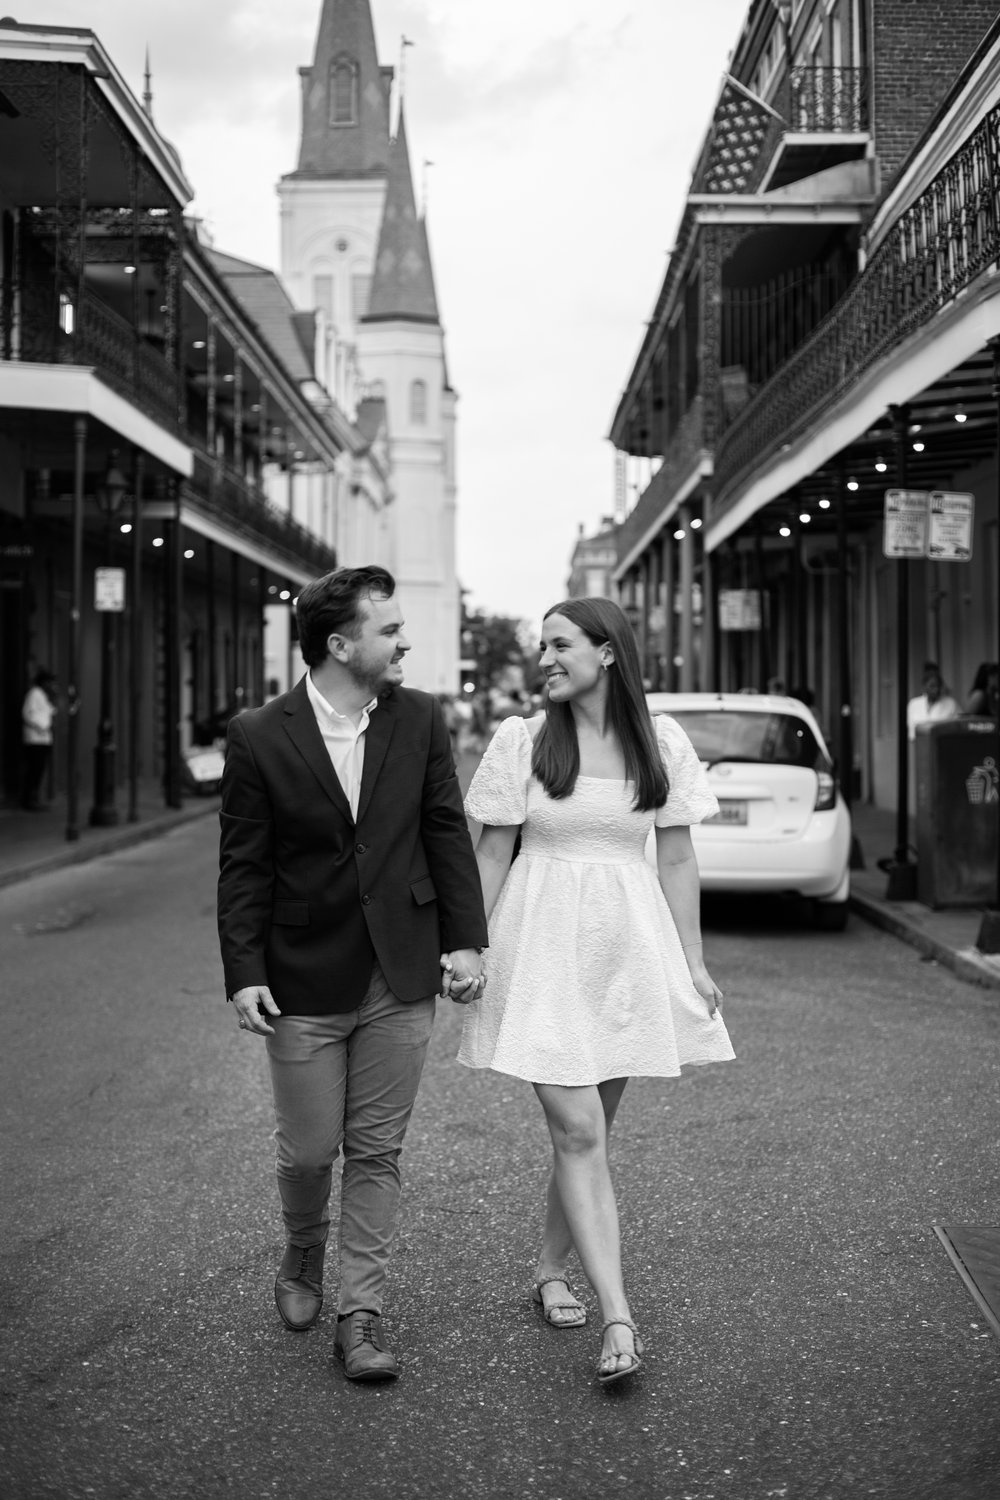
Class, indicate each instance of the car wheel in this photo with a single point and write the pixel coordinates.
(830, 916)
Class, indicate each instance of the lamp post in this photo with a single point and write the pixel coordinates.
(104, 813)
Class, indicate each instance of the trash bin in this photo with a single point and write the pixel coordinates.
(958, 811)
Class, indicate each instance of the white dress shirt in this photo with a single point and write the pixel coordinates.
(344, 741)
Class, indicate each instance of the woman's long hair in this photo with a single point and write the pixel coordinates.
(555, 756)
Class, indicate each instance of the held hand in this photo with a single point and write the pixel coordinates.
(253, 1006)
(705, 984)
(463, 977)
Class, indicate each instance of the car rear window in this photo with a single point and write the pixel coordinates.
(769, 739)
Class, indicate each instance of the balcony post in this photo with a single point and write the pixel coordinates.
(687, 600)
(667, 575)
(74, 654)
(845, 749)
(988, 940)
(764, 599)
(135, 640)
(902, 872)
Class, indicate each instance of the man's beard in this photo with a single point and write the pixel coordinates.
(369, 678)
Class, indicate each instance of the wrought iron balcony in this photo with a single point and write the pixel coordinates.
(948, 237)
(91, 333)
(823, 118)
(825, 101)
(232, 501)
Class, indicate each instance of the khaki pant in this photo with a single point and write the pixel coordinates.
(347, 1083)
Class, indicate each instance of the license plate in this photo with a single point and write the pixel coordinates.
(732, 813)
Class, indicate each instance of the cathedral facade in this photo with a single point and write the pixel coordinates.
(355, 248)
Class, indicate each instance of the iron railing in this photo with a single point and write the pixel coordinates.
(937, 247)
(824, 101)
(682, 455)
(224, 496)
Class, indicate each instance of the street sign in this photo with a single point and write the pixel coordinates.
(739, 609)
(949, 534)
(109, 590)
(905, 523)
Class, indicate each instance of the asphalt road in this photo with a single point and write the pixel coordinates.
(806, 1334)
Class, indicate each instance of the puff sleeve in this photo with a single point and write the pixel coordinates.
(499, 791)
(689, 799)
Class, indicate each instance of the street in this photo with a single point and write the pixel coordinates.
(806, 1334)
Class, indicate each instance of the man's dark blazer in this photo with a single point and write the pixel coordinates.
(307, 896)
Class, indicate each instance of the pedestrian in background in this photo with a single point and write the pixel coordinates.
(933, 704)
(38, 714)
(984, 695)
(346, 866)
(597, 971)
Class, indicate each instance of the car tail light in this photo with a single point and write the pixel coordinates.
(826, 791)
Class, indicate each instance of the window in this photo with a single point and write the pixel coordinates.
(343, 91)
(418, 402)
(361, 286)
(759, 738)
(323, 295)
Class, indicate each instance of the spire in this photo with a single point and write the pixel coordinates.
(147, 95)
(345, 97)
(403, 282)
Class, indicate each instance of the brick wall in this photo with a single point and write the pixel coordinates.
(919, 48)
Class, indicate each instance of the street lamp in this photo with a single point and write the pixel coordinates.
(104, 813)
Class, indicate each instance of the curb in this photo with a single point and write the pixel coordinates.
(98, 844)
(967, 963)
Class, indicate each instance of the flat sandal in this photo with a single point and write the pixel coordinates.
(575, 1306)
(607, 1377)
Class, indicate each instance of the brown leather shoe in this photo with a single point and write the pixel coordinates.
(359, 1344)
(298, 1289)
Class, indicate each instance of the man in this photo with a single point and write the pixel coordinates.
(933, 704)
(346, 870)
(37, 714)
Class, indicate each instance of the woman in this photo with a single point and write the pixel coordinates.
(597, 967)
(984, 695)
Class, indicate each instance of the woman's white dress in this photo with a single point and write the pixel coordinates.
(587, 976)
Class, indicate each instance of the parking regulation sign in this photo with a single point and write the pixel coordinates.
(949, 526)
(109, 590)
(905, 531)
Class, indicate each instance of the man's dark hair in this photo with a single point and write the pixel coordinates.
(330, 606)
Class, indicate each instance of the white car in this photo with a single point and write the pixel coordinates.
(782, 824)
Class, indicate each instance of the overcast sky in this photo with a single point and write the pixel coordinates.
(562, 133)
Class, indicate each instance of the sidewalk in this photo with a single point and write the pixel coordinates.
(947, 936)
(34, 843)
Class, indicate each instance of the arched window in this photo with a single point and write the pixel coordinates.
(418, 402)
(343, 91)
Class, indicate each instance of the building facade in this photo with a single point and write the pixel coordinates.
(173, 465)
(592, 565)
(826, 331)
(354, 245)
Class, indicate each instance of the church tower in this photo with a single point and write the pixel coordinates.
(354, 246)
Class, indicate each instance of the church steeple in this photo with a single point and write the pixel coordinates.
(403, 283)
(345, 97)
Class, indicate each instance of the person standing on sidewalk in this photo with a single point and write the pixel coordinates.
(346, 867)
(38, 714)
(597, 970)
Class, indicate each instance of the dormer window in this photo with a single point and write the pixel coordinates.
(343, 91)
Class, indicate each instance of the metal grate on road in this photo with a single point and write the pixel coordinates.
(974, 1251)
